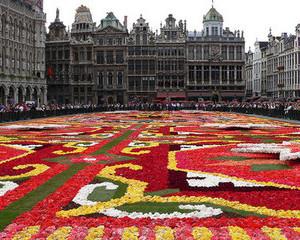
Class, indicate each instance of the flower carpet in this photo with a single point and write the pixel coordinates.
(150, 175)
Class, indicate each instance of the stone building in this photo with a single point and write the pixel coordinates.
(171, 57)
(215, 61)
(249, 74)
(275, 67)
(108, 64)
(22, 52)
(141, 63)
(58, 63)
(82, 60)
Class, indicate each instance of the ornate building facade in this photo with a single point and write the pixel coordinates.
(215, 61)
(22, 52)
(141, 62)
(276, 67)
(109, 64)
(58, 63)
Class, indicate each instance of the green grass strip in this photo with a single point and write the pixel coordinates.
(269, 167)
(31, 199)
(113, 143)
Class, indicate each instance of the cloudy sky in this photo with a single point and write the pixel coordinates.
(255, 17)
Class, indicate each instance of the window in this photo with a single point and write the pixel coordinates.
(231, 74)
(120, 78)
(199, 74)
(214, 31)
(224, 52)
(60, 54)
(145, 66)
(145, 40)
(152, 66)
(109, 57)
(130, 51)
(110, 79)
(100, 57)
(224, 74)
(131, 83)
(215, 75)
(231, 52)
(138, 66)
(75, 56)
(137, 51)
(206, 52)
(206, 74)
(239, 74)
(89, 55)
(198, 52)
(100, 79)
(191, 74)
(54, 55)
(82, 57)
(119, 57)
(131, 66)
(67, 54)
(191, 53)
(239, 53)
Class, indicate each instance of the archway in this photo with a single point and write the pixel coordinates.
(20, 95)
(11, 96)
(110, 100)
(28, 94)
(2, 95)
(35, 96)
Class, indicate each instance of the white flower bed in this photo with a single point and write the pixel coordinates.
(37, 127)
(202, 211)
(284, 150)
(7, 186)
(209, 181)
(242, 126)
(82, 196)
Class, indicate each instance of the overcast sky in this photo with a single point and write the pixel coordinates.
(255, 17)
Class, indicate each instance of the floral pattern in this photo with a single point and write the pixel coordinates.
(154, 175)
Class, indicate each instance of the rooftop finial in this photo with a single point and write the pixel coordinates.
(212, 3)
(57, 15)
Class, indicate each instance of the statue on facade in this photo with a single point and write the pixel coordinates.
(57, 15)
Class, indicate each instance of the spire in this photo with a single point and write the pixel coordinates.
(270, 33)
(212, 3)
(57, 15)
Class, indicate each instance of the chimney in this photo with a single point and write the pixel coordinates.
(125, 21)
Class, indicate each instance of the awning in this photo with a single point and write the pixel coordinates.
(199, 94)
(171, 95)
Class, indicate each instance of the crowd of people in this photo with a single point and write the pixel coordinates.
(163, 106)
